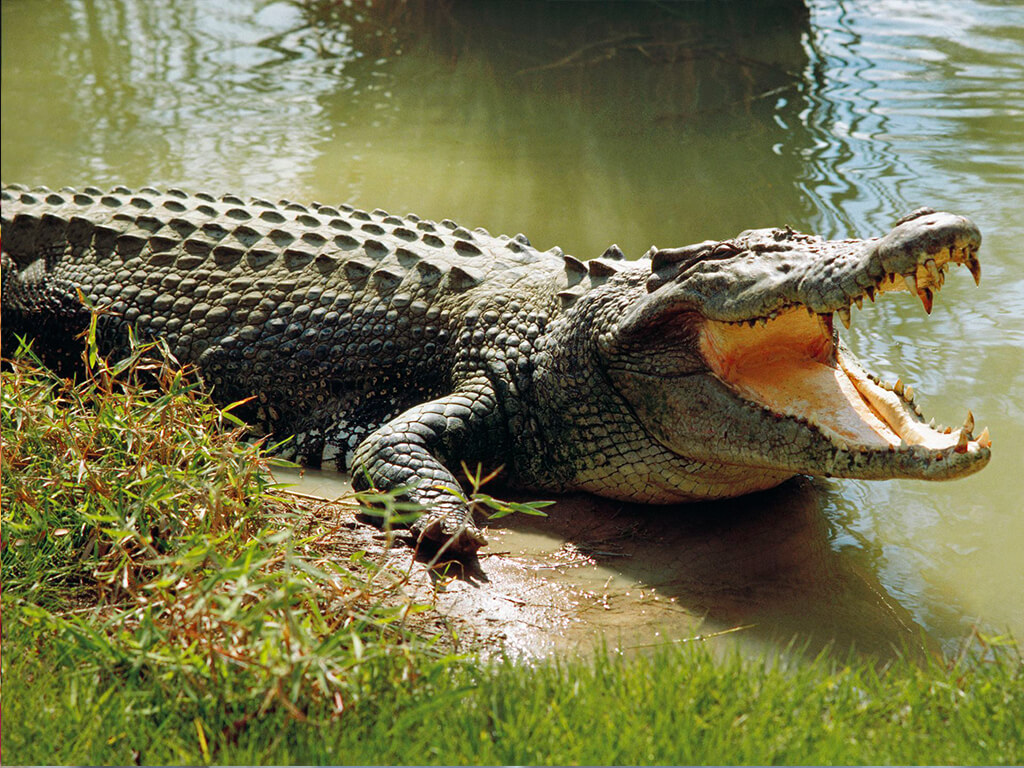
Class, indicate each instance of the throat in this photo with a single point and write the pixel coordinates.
(823, 395)
(790, 366)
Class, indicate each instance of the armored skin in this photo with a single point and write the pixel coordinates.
(398, 349)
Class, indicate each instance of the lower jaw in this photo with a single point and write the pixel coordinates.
(864, 429)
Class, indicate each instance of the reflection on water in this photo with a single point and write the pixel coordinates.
(586, 124)
(163, 89)
(767, 563)
(917, 102)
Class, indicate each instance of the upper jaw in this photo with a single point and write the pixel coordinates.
(917, 252)
(760, 273)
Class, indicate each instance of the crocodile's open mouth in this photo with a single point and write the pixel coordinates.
(793, 365)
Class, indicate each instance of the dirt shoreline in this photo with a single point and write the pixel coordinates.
(754, 572)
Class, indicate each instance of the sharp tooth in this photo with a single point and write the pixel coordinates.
(975, 266)
(844, 315)
(925, 294)
(908, 393)
(859, 301)
(911, 280)
(933, 271)
(931, 423)
(984, 439)
(969, 423)
(961, 442)
(870, 292)
(898, 387)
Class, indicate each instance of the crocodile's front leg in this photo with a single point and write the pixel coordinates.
(413, 449)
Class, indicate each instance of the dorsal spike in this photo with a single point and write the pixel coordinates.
(598, 268)
(406, 256)
(357, 271)
(467, 248)
(613, 252)
(429, 272)
(226, 255)
(462, 279)
(386, 280)
(572, 264)
(327, 262)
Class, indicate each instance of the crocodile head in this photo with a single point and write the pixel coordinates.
(732, 357)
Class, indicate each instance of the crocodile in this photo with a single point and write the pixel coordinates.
(402, 350)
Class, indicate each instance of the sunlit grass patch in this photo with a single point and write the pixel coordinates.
(143, 542)
(101, 477)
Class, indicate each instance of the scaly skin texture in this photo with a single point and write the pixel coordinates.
(399, 349)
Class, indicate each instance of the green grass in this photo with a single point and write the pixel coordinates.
(675, 706)
(162, 605)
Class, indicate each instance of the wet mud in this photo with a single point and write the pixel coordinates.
(761, 572)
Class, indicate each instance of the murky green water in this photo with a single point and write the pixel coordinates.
(583, 125)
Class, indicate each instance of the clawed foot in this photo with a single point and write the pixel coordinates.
(450, 531)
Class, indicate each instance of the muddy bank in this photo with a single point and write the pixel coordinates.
(759, 571)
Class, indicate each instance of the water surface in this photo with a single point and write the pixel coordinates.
(586, 124)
